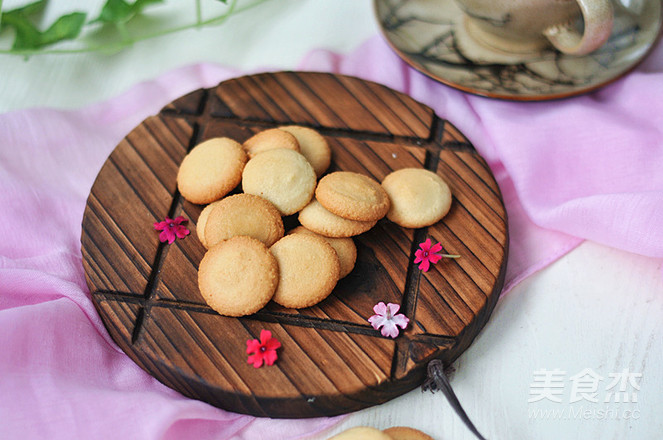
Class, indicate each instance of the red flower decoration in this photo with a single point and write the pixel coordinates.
(263, 350)
(429, 254)
(172, 229)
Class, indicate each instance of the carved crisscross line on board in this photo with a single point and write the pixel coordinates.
(147, 300)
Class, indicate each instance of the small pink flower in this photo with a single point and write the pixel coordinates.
(262, 350)
(172, 229)
(387, 317)
(429, 254)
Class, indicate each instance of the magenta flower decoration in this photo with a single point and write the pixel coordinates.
(263, 350)
(388, 319)
(428, 254)
(172, 229)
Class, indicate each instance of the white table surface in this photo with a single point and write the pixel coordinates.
(596, 311)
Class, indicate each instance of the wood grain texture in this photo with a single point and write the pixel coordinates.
(331, 361)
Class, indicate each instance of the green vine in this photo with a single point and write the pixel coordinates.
(115, 19)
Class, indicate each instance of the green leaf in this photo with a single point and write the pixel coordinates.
(140, 4)
(29, 9)
(66, 27)
(18, 14)
(114, 11)
(119, 11)
(29, 37)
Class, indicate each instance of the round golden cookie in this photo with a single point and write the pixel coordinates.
(313, 146)
(202, 221)
(352, 196)
(243, 214)
(211, 170)
(316, 218)
(282, 176)
(345, 249)
(238, 277)
(308, 270)
(268, 140)
(361, 433)
(419, 197)
(405, 433)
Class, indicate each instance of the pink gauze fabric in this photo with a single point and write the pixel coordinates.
(582, 168)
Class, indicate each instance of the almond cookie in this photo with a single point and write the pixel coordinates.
(405, 433)
(308, 270)
(269, 140)
(282, 176)
(361, 433)
(313, 146)
(238, 277)
(202, 221)
(345, 249)
(211, 170)
(243, 214)
(352, 196)
(316, 218)
(418, 197)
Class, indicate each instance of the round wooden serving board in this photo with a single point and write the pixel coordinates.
(331, 361)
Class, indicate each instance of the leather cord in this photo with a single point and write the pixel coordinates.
(437, 380)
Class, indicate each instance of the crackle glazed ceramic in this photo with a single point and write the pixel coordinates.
(525, 26)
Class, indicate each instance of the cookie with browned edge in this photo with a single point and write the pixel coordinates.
(202, 221)
(308, 270)
(313, 146)
(361, 433)
(268, 140)
(282, 176)
(238, 277)
(353, 196)
(211, 170)
(243, 214)
(406, 433)
(418, 197)
(345, 249)
(316, 218)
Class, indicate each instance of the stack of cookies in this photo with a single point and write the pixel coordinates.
(250, 259)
